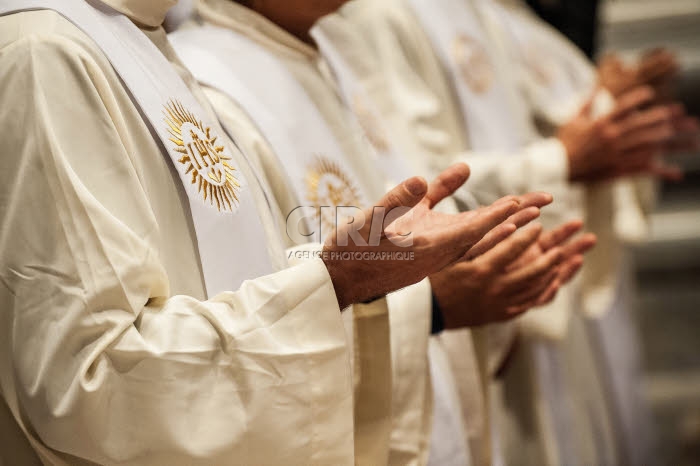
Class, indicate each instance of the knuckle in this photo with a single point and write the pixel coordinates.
(394, 199)
(510, 198)
(610, 133)
(497, 289)
(482, 270)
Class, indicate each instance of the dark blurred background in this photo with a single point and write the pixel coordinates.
(668, 265)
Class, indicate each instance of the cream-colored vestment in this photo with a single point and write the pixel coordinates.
(111, 351)
(458, 383)
(382, 44)
(537, 396)
(390, 427)
(556, 83)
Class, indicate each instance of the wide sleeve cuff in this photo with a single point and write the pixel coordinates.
(603, 102)
(550, 163)
(367, 332)
(541, 166)
(319, 326)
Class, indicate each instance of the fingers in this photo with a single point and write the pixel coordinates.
(491, 239)
(631, 100)
(666, 172)
(522, 218)
(686, 127)
(529, 204)
(476, 224)
(682, 146)
(535, 199)
(646, 165)
(610, 59)
(658, 53)
(652, 138)
(658, 64)
(677, 110)
(579, 246)
(657, 69)
(523, 276)
(546, 288)
(687, 132)
(557, 236)
(548, 294)
(510, 249)
(545, 297)
(686, 124)
(447, 183)
(659, 115)
(532, 293)
(568, 269)
(407, 194)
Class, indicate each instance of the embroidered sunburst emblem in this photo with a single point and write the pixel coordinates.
(207, 163)
(370, 124)
(473, 63)
(328, 185)
(540, 66)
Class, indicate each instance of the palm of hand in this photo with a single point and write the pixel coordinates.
(423, 225)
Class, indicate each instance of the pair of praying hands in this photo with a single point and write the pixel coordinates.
(642, 128)
(481, 268)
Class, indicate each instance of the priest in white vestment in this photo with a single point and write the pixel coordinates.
(256, 54)
(121, 344)
(557, 79)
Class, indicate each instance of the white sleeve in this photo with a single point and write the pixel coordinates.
(100, 362)
(540, 166)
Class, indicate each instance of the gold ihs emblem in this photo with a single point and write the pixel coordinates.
(210, 167)
(327, 185)
(474, 65)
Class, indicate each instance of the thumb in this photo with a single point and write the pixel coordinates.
(447, 183)
(407, 194)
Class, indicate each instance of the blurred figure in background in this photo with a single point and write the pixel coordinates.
(556, 80)
(443, 72)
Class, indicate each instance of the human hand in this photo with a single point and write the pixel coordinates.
(521, 272)
(625, 141)
(656, 68)
(435, 239)
(573, 251)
